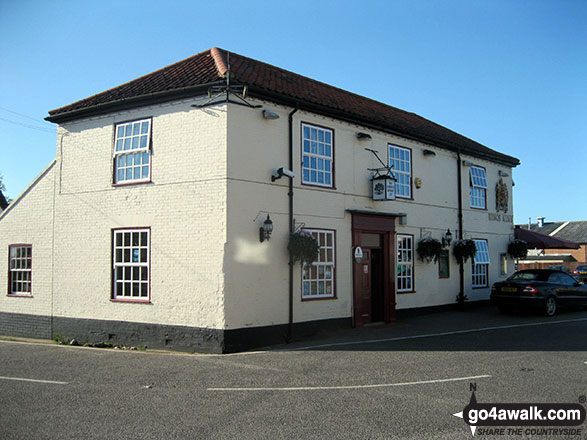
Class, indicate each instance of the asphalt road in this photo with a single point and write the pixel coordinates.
(398, 382)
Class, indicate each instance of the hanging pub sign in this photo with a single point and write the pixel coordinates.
(383, 187)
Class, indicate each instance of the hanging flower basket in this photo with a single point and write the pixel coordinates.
(518, 249)
(464, 249)
(303, 247)
(429, 249)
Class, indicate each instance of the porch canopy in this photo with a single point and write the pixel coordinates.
(536, 240)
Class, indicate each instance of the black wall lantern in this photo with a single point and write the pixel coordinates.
(266, 230)
(447, 238)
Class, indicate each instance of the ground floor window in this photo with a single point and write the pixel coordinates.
(318, 277)
(20, 269)
(481, 264)
(131, 264)
(404, 281)
(503, 264)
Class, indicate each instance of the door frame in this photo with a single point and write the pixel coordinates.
(383, 224)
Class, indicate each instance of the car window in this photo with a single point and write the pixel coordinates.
(561, 278)
(529, 276)
(567, 279)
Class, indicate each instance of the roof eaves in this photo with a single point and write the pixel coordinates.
(356, 119)
(133, 102)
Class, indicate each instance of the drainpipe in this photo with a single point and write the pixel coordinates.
(291, 225)
(461, 296)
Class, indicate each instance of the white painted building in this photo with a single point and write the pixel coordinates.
(145, 228)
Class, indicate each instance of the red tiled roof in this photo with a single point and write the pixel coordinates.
(191, 77)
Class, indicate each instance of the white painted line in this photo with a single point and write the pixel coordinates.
(352, 387)
(431, 335)
(22, 379)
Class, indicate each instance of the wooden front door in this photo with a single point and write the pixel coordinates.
(373, 283)
(362, 274)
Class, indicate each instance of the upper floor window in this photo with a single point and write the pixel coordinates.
(400, 161)
(132, 154)
(20, 269)
(317, 155)
(318, 277)
(131, 264)
(481, 265)
(478, 187)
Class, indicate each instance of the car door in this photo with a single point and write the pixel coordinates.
(577, 291)
(562, 288)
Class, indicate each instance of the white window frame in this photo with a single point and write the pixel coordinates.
(478, 191)
(400, 161)
(318, 279)
(20, 270)
(132, 152)
(404, 278)
(481, 262)
(131, 264)
(317, 155)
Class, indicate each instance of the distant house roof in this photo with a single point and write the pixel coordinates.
(195, 75)
(572, 231)
(3, 202)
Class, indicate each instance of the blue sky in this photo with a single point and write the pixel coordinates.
(511, 75)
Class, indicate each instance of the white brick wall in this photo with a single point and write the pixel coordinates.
(29, 220)
(185, 207)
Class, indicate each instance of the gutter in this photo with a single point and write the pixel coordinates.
(291, 224)
(461, 295)
(134, 102)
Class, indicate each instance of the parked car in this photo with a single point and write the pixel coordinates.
(581, 272)
(542, 289)
(558, 267)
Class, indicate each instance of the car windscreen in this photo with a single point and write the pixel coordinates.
(529, 276)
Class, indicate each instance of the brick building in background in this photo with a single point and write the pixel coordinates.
(575, 231)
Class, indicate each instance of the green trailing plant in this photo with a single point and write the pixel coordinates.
(303, 247)
(464, 249)
(518, 249)
(429, 249)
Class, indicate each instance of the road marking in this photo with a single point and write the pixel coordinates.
(351, 387)
(22, 379)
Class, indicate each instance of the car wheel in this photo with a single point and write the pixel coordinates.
(550, 306)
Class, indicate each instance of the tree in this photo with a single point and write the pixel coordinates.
(3, 189)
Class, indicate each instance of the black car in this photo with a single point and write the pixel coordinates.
(542, 289)
(581, 272)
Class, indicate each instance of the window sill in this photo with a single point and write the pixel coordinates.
(411, 292)
(317, 185)
(480, 287)
(134, 182)
(132, 301)
(319, 298)
(19, 295)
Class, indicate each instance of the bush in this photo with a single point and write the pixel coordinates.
(518, 249)
(429, 249)
(464, 249)
(303, 247)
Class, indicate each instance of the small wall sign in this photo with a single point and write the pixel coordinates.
(358, 254)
